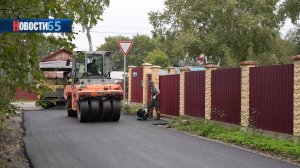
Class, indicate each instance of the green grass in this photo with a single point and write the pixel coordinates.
(25, 100)
(131, 108)
(236, 136)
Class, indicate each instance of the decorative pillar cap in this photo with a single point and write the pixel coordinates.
(146, 64)
(211, 66)
(172, 68)
(185, 69)
(131, 66)
(248, 63)
(155, 67)
(297, 57)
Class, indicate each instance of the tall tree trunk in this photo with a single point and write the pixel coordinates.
(88, 35)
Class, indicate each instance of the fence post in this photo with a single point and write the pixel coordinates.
(296, 117)
(172, 70)
(146, 70)
(181, 92)
(129, 82)
(209, 68)
(245, 84)
(155, 70)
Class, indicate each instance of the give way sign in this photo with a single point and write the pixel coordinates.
(125, 46)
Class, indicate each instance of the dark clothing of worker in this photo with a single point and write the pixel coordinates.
(154, 100)
(92, 68)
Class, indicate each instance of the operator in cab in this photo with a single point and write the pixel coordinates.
(92, 68)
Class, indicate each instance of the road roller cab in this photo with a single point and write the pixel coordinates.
(92, 95)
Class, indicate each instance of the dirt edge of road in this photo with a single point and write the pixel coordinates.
(12, 147)
(24, 147)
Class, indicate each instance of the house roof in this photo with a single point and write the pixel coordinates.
(55, 65)
(53, 54)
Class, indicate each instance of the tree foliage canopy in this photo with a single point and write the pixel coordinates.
(230, 30)
(87, 13)
(20, 52)
(158, 57)
(142, 45)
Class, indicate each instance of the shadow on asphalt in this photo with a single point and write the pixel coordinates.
(161, 122)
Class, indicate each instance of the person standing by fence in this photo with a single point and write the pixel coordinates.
(154, 100)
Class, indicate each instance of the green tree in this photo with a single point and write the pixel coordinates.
(142, 45)
(111, 44)
(158, 57)
(20, 52)
(290, 9)
(279, 53)
(87, 13)
(293, 36)
(230, 30)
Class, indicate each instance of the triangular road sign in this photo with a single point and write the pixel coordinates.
(125, 46)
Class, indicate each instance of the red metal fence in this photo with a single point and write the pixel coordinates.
(271, 98)
(25, 95)
(169, 94)
(226, 95)
(194, 101)
(122, 86)
(136, 85)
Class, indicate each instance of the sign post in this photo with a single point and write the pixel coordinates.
(125, 46)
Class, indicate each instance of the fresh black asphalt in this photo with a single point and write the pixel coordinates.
(54, 140)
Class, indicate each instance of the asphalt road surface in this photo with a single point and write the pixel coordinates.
(54, 140)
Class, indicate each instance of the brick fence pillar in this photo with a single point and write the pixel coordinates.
(172, 70)
(245, 84)
(296, 116)
(129, 82)
(155, 70)
(146, 70)
(209, 68)
(181, 92)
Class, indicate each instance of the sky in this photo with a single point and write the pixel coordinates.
(128, 18)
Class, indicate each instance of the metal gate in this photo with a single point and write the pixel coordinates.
(226, 95)
(271, 98)
(169, 94)
(194, 94)
(136, 85)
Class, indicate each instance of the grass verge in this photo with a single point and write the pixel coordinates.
(284, 148)
(131, 108)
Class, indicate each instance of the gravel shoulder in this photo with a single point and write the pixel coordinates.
(12, 149)
(12, 153)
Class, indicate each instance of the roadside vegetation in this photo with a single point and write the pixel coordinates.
(281, 148)
(131, 108)
(20, 53)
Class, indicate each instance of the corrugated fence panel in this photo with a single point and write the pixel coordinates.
(194, 95)
(226, 95)
(122, 86)
(169, 94)
(271, 98)
(25, 95)
(136, 85)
